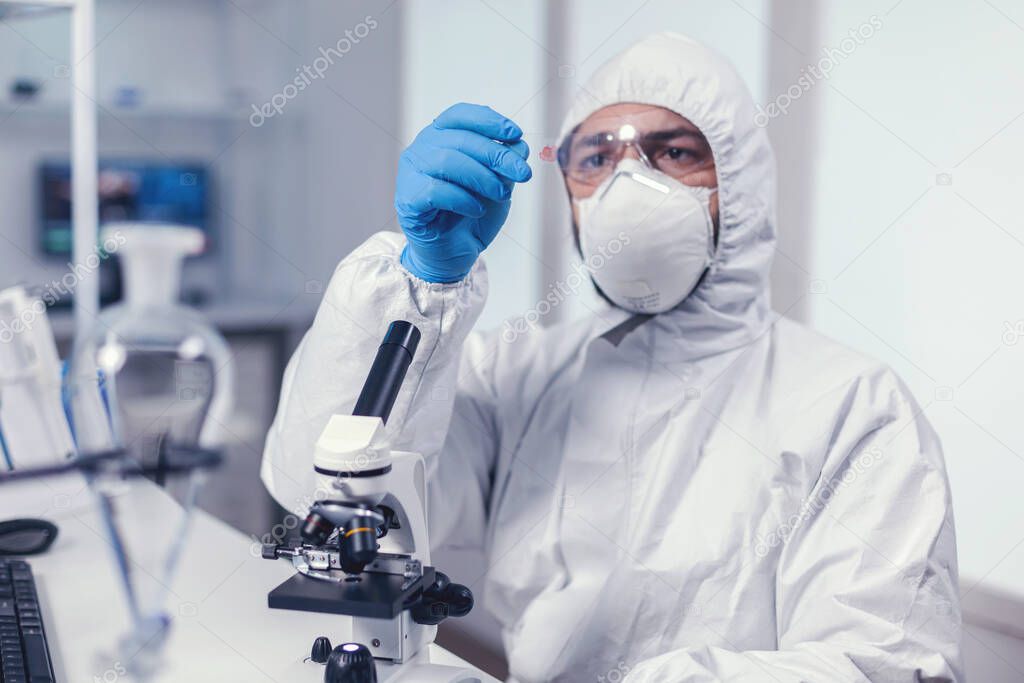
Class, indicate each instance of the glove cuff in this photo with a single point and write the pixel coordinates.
(422, 271)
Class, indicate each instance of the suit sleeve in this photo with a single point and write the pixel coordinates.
(446, 402)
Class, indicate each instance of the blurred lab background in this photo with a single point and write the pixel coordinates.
(898, 126)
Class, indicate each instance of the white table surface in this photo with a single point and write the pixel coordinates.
(222, 629)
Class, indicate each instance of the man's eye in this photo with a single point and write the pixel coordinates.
(676, 153)
(593, 161)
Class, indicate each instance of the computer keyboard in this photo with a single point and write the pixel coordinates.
(24, 654)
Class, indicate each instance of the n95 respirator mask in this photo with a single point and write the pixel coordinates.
(645, 237)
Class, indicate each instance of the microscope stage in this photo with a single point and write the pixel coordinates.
(374, 595)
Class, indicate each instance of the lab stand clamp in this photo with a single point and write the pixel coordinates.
(364, 550)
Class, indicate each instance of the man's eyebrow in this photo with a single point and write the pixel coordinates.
(662, 135)
(593, 139)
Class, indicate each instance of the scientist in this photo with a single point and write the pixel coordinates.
(683, 487)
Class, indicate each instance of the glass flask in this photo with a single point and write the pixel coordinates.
(149, 370)
(150, 384)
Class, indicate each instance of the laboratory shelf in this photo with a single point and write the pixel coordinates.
(58, 110)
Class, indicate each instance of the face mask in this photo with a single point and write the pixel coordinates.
(646, 238)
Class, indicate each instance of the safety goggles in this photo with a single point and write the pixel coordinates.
(589, 158)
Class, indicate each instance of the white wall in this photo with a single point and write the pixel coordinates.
(342, 142)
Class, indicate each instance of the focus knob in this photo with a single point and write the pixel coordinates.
(321, 650)
(441, 600)
(350, 663)
(459, 599)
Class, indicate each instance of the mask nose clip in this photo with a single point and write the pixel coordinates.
(636, 171)
(629, 137)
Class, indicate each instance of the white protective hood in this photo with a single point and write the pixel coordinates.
(675, 72)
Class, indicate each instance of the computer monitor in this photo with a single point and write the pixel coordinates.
(138, 191)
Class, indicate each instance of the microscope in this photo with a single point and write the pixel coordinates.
(364, 550)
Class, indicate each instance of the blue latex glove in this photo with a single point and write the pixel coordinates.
(454, 189)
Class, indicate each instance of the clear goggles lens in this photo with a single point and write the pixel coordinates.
(589, 158)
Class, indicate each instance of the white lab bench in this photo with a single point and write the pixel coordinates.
(222, 629)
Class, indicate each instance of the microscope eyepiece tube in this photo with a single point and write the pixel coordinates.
(388, 370)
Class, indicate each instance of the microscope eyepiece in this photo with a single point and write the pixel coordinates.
(404, 334)
(388, 370)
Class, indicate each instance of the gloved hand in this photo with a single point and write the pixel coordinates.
(454, 189)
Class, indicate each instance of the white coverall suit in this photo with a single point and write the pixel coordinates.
(714, 493)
